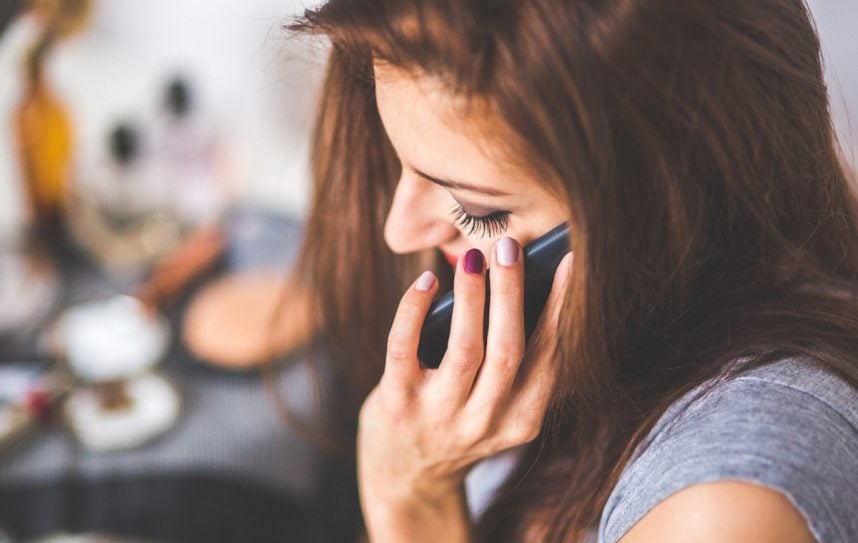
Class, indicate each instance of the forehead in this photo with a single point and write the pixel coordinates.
(424, 99)
(431, 128)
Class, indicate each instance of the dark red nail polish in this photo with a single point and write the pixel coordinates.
(473, 261)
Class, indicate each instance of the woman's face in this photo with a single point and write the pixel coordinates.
(452, 194)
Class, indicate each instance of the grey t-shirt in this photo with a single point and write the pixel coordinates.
(791, 426)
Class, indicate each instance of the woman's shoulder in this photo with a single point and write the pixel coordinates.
(791, 425)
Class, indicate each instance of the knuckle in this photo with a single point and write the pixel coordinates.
(398, 348)
(409, 308)
(476, 431)
(470, 297)
(528, 433)
(461, 373)
(505, 371)
(485, 411)
(395, 402)
(529, 422)
(465, 354)
(522, 432)
(506, 284)
(508, 352)
(522, 425)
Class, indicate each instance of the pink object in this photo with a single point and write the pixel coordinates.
(425, 281)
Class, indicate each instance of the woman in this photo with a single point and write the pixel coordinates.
(709, 312)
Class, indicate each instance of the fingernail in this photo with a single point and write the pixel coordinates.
(425, 281)
(506, 251)
(473, 261)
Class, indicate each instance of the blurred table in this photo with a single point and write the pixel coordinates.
(231, 470)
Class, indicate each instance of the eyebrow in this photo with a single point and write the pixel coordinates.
(460, 185)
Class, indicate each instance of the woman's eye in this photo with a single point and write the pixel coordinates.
(487, 226)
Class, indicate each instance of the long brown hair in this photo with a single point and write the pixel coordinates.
(711, 217)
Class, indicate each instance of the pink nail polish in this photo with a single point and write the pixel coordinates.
(473, 263)
(507, 251)
(425, 281)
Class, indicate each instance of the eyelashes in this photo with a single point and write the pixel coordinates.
(487, 226)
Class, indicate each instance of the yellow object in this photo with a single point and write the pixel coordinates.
(64, 17)
(44, 135)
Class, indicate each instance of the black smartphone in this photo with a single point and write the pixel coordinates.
(541, 258)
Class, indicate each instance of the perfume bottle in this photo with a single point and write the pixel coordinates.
(44, 136)
(43, 127)
(119, 211)
(187, 151)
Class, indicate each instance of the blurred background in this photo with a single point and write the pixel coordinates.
(153, 179)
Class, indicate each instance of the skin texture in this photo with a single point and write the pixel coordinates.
(420, 429)
(733, 511)
(429, 134)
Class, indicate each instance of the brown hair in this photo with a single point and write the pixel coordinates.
(711, 217)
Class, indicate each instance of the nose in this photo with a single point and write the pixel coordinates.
(418, 218)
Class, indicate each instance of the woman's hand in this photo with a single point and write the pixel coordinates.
(421, 429)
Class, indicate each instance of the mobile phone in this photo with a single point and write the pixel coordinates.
(541, 258)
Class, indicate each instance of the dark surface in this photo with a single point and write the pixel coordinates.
(179, 508)
(230, 470)
(8, 10)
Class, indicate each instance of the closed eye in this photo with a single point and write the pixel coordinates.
(489, 225)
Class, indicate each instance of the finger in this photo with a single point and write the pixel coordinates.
(539, 356)
(522, 419)
(401, 365)
(465, 347)
(535, 381)
(505, 344)
(554, 304)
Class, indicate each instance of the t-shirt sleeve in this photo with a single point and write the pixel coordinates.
(799, 440)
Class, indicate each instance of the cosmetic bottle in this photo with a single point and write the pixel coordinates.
(119, 210)
(44, 137)
(187, 151)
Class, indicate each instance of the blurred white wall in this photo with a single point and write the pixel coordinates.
(837, 22)
(258, 84)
